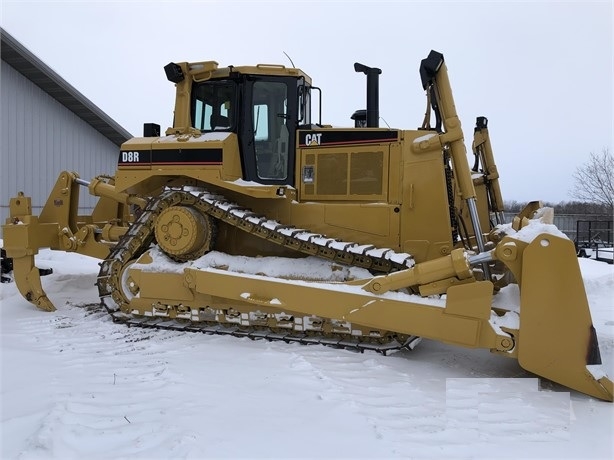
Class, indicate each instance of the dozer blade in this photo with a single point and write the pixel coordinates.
(28, 281)
(557, 339)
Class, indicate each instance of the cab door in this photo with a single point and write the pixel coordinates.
(268, 129)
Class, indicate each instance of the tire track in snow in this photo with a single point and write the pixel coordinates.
(119, 370)
(400, 409)
(408, 404)
(165, 398)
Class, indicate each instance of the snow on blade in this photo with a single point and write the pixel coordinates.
(540, 224)
(535, 228)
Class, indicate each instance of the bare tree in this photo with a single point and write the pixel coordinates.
(594, 180)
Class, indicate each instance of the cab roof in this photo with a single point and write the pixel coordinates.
(206, 70)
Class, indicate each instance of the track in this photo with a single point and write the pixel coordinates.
(252, 324)
(336, 340)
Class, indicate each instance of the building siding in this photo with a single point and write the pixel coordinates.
(39, 138)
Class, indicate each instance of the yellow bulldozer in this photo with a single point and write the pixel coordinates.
(245, 170)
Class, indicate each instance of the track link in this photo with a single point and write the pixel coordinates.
(141, 236)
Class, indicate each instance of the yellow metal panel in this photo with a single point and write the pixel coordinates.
(367, 219)
(156, 286)
(470, 300)
(351, 173)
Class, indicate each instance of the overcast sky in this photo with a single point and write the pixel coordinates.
(540, 71)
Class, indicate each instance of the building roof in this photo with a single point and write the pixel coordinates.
(17, 56)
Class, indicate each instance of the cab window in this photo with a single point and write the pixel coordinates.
(213, 106)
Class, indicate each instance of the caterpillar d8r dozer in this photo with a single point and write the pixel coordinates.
(245, 171)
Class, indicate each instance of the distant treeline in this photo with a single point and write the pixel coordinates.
(565, 207)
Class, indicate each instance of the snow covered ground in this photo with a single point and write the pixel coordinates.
(76, 385)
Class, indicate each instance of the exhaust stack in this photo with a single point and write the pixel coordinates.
(372, 74)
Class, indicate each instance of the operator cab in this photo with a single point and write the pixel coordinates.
(263, 110)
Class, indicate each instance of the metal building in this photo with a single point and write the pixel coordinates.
(47, 126)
